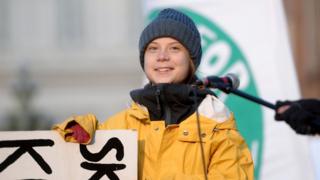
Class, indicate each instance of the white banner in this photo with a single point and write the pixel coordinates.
(249, 38)
(45, 155)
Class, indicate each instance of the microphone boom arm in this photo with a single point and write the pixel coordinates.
(254, 99)
(246, 96)
(228, 89)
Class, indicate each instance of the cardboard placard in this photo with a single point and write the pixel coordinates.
(45, 155)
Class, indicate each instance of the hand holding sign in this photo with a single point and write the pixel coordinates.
(78, 133)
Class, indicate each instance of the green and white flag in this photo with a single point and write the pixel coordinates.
(249, 38)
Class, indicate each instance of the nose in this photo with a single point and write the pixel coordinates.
(163, 55)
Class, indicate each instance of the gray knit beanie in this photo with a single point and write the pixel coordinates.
(174, 24)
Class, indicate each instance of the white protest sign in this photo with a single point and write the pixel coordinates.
(45, 155)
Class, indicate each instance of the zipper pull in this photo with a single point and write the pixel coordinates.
(158, 99)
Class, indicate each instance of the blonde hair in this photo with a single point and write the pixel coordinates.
(192, 73)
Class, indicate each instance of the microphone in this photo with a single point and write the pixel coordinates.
(230, 81)
(230, 84)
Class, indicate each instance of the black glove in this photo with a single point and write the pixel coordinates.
(278, 116)
(297, 117)
(310, 105)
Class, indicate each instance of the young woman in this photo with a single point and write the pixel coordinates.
(167, 112)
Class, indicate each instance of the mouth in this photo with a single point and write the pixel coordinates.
(163, 69)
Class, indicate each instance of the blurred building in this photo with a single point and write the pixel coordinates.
(83, 55)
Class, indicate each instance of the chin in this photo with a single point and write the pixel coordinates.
(163, 81)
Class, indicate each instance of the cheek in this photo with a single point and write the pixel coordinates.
(185, 67)
(185, 71)
(184, 64)
(147, 68)
(147, 63)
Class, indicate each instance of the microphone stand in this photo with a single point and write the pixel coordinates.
(257, 100)
(252, 98)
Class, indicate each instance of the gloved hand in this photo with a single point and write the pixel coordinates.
(78, 133)
(281, 107)
(296, 116)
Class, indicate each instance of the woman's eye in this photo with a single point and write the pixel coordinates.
(175, 48)
(152, 48)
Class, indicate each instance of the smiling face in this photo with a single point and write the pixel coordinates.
(167, 61)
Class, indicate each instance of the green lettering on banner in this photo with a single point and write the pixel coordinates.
(221, 55)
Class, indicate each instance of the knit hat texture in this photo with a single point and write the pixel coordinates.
(177, 25)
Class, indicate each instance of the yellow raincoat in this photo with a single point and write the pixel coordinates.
(174, 152)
